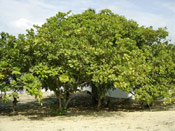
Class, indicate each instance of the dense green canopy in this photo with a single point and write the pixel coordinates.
(102, 50)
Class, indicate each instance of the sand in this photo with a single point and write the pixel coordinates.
(40, 119)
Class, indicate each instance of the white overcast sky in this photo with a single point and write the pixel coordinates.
(18, 15)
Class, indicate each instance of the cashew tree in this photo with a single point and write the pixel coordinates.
(103, 50)
(13, 69)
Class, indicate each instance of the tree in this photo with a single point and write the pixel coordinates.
(13, 67)
(159, 82)
(103, 50)
(9, 69)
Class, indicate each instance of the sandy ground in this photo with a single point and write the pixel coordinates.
(32, 117)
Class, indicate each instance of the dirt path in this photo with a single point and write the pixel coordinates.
(102, 121)
(87, 120)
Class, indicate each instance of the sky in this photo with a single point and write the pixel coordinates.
(18, 15)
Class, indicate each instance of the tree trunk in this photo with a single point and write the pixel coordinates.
(59, 103)
(1, 96)
(94, 95)
(99, 105)
(67, 101)
(14, 104)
